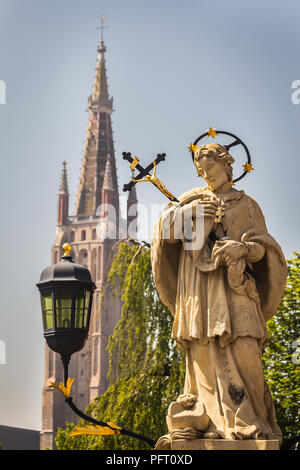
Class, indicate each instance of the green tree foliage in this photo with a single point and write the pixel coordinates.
(146, 368)
(280, 359)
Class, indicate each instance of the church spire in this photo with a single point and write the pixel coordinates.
(99, 144)
(63, 197)
(107, 180)
(100, 89)
(63, 187)
(132, 216)
(107, 187)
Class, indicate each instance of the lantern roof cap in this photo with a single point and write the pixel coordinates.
(65, 271)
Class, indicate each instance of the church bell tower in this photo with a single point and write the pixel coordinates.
(98, 187)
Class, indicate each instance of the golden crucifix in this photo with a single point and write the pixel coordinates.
(145, 176)
(154, 180)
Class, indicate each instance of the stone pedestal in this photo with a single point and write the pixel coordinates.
(223, 444)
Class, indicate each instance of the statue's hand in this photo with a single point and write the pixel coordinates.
(178, 222)
(208, 208)
(229, 251)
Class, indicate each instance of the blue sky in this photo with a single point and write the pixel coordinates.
(174, 69)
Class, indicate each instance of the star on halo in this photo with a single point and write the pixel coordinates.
(192, 147)
(212, 132)
(248, 167)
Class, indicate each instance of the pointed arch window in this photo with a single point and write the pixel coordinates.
(99, 263)
(51, 363)
(95, 358)
(83, 257)
(94, 264)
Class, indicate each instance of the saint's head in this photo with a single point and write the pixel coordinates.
(214, 164)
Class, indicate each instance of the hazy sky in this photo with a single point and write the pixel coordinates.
(174, 69)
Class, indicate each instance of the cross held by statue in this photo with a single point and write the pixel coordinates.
(145, 175)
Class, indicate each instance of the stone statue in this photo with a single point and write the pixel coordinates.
(220, 309)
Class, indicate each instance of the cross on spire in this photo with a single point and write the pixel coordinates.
(102, 27)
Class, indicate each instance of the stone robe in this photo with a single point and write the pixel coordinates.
(219, 318)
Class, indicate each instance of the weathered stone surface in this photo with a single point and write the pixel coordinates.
(224, 444)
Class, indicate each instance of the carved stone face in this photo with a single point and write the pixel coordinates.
(213, 172)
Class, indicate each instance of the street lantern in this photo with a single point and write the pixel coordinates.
(66, 292)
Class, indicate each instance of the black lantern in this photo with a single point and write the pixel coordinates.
(66, 292)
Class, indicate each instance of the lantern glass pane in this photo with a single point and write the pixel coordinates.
(79, 308)
(48, 320)
(63, 308)
(47, 311)
(87, 298)
(47, 301)
(86, 307)
(79, 299)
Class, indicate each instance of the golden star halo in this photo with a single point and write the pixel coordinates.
(212, 132)
(248, 167)
(192, 147)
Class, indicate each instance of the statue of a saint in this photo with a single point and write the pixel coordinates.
(220, 309)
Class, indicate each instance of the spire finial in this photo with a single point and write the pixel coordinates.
(102, 27)
(63, 188)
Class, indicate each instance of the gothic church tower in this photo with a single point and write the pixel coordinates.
(98, 185)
